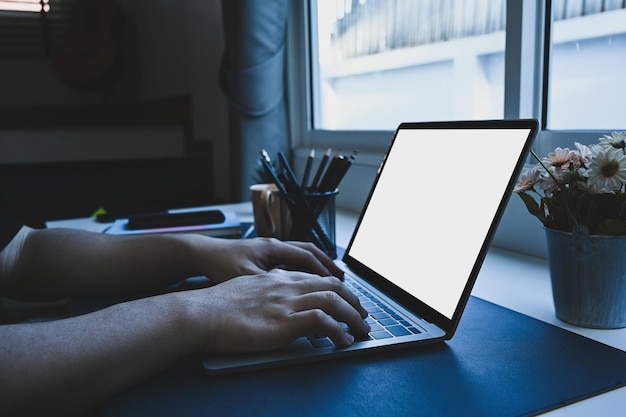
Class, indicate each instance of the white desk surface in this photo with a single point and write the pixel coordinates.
(519, 283)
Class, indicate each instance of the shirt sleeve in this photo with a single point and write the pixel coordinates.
(9, 227)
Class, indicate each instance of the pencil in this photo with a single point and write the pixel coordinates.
(299, 208)
(307, 169)
(320, 170)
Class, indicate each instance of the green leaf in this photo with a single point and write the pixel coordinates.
(531, 205)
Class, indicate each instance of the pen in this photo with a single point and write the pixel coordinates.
(291, 188)
(267, 163)
(320, 170)
(340, 172)
(330, 172)
(307, 169)
(342, 165)
(289, 172)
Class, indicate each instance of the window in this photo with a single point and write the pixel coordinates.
(415, 60)
(30, 28)
(373, 63)
(25, 5)
(559, 61)
(365, 65)
(586, 83)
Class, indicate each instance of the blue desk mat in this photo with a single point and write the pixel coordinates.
(499, 363)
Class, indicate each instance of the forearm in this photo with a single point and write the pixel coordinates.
(59, 263)
(62, 263)
(64, 367)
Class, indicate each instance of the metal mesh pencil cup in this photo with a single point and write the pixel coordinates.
(313, 219)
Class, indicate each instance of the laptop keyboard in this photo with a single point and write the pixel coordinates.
(384, 321)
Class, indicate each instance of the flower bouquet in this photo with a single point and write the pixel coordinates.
(580, 197)
(581, 187)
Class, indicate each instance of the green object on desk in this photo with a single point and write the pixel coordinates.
(99, 212)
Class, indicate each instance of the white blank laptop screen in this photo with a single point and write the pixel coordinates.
(432, 208)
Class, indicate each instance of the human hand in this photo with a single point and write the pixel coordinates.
(229, 258)
(260, 313)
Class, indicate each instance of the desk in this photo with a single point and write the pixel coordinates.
(519, 283)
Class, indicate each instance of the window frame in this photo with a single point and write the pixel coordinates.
(299, 70)
(526, 76)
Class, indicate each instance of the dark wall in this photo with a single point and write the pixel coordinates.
(172, 47)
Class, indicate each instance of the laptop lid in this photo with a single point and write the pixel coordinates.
(433, 209)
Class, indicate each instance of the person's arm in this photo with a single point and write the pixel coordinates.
(67, 366)
(58, 263)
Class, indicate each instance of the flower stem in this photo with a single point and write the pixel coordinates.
(561, 186)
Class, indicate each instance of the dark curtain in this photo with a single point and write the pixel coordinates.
(253, 79)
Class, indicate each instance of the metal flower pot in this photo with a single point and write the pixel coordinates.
(588, 276)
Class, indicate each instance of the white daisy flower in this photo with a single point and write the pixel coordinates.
(528, 180)
(560, 158)
(607, 169)
(616, 140)
(547, 184)
(584, 152)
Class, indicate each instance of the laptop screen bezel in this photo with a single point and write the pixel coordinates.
(410, 302)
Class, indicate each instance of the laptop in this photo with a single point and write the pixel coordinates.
(421, 237)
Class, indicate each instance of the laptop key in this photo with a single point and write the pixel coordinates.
(398, 330)
(381, 335)
(388, 322)
(321, 343)
(376, 327)
(414, 330)
(362, 338)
